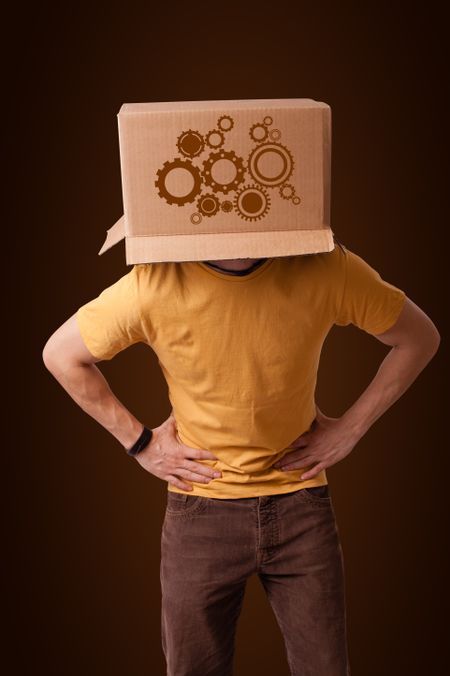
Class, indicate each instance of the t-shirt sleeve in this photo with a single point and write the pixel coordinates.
(367, 301)
(113, 321)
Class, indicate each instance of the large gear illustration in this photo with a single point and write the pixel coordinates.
(208, 204)
(190, 143)
(177, 164)
(264, 157)
(238, 170)
(252, 202)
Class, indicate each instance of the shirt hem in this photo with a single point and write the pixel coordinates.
(275, 490)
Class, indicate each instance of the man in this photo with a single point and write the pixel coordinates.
(245, 448)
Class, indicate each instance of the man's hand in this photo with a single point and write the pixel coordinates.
(168, 458)
(329, 441)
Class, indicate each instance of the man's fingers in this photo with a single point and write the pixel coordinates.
(311, 473)
(295, 457)
(193, 452)
(174, 481)
(201, 454)
(193, 475)
(299, 462)
(203, 470)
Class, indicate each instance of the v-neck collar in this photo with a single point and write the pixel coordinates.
(254, 272)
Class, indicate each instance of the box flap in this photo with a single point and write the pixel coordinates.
(114, 235)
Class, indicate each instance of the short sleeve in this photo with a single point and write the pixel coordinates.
(112, 321)
(368, 301)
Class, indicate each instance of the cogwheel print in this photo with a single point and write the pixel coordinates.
(190, 143)
(252, 202)
(258, 132)
(229, 158)
(270, 164)
(188, 168)
(208, 204)
(226, 206)
(225, 123)
(287, 191)
(215, 138)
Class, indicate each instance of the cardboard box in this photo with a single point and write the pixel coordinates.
(211, 180)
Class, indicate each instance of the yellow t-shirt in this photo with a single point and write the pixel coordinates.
(240, 354)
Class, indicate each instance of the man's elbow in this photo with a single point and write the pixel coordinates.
(50, 355)
(66, 348)
(434, 340)
(426, 341)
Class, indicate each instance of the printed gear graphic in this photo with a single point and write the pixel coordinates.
(230, 120)
(196, 218)
(252, 202)
(227, 206)
(290, 191)
(275, 134)
(162, 173)
(208, 204)
(216, 132)
(278, 149)
(262, 128)
(190, 143)
(223, 155)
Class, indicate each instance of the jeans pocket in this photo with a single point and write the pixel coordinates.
(183, 504)
(319, 495)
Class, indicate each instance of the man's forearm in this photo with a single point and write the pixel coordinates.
(87, 386)
(396, 373)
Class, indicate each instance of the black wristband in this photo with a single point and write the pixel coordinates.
(142, 442)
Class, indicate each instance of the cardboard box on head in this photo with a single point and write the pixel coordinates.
(211, 180)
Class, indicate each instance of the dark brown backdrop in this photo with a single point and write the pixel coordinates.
(85, 518)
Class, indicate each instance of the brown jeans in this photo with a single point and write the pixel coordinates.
(210, 546)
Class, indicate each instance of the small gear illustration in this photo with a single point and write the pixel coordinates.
(268, 120)
(227, 206)
(208, 204)
(252, 202)
(230, 157)
(196, 218)
(225, 123)
(258, 132)
(270, 164)
(215, 138)
(176, 165)
(296, 199)
(190, 143)
(275, 134)
(287, 191)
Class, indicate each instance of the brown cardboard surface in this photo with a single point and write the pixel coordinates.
(205, 180)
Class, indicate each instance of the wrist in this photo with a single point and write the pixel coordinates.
(354, 425)
(141, 442)
(128, 432)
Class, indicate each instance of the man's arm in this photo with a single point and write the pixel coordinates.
(66, 356)
(414, 340)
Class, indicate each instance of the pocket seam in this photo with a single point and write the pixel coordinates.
(196, 505)
(315, 499)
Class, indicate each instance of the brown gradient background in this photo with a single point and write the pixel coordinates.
(85, 519)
